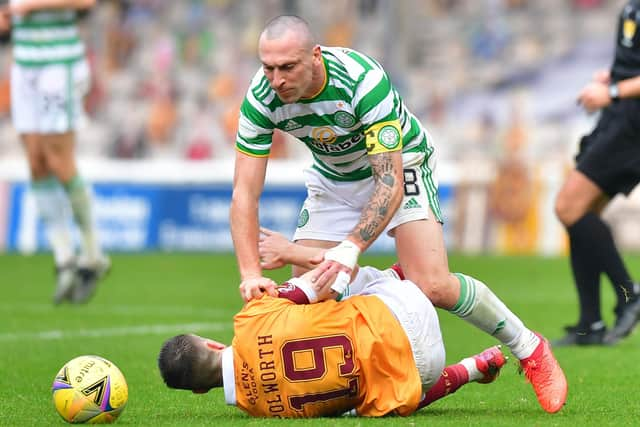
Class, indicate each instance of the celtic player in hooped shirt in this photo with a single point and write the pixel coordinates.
(50, 76)
(356, 114)
(373, 171)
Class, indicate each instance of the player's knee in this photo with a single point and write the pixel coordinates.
(437, 289)
(564, 210)
(38, 172)
(38, 167)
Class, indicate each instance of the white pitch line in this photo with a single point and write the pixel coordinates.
(58, 334)
(122, 309)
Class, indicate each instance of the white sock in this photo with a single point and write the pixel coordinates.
(80, 198)
(482, 308)
(53, 210)
(470, 365)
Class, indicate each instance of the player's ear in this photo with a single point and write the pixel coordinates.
(215, 345)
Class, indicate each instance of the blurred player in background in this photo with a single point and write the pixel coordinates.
(326, 359)
(608, 163)
(374, 169)
(49, 79)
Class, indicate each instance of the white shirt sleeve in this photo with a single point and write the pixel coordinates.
(228, 376)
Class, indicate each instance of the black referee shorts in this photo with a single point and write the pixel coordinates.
(610, 155)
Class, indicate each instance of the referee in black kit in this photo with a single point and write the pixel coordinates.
(608, 163)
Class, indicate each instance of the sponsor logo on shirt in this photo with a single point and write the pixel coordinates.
(334, 148)
(324, 135)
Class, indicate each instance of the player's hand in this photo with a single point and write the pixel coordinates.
(330, 278)
(5, 19)
(320, 280)
(256, 287)
(335, 270)
(594, 96)
(602, 76)
(272, 248)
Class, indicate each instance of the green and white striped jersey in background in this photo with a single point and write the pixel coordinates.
(357, 94)
(46, 37)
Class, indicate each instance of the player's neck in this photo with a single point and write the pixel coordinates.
(318, 81)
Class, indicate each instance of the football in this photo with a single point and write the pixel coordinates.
(90, 389)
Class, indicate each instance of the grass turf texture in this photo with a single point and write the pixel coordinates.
(151, 297)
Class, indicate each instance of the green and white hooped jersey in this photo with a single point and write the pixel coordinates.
(358, 112)
(46, 37)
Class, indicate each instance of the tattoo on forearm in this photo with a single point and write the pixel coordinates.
(374, 215)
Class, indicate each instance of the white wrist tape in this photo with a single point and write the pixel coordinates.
(305, 287)
(346, 253)
(341, 282)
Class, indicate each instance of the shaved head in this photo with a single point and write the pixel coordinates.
(289, 25)
(291, 58)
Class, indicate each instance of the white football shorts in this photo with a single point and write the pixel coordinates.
(333, 208)
(415, 313)
(48, 99)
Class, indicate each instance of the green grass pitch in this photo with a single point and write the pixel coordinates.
(150, 297)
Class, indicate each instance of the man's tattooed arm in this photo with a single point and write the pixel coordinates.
(385, 199)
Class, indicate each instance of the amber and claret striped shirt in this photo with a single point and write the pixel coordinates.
(323, 359)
